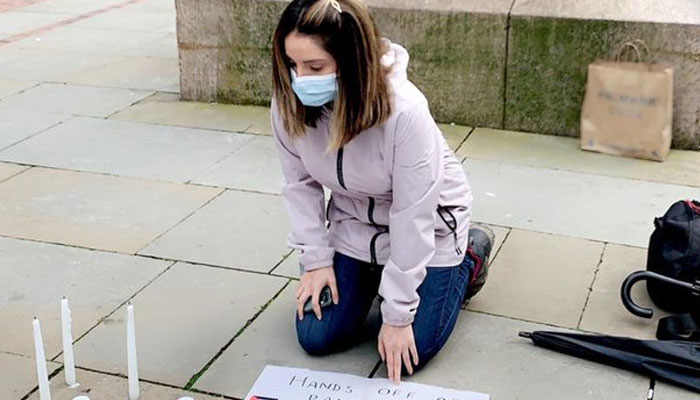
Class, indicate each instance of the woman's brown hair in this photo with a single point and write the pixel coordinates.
(346, 30)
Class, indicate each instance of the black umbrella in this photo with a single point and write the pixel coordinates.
(671, 361)
(626, 290)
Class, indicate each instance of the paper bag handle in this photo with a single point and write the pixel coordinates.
(634, 45)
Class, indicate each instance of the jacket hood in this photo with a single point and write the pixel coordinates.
(396, 58)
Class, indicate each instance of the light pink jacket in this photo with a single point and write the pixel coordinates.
(399, 195)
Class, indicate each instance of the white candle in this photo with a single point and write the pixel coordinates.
(68, 359)
(132, 362)
(42, 374)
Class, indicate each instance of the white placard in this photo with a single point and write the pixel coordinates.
(283, 383)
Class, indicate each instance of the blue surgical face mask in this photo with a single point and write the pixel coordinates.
(315, 90)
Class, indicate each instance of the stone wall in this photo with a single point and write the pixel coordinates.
(509, 64)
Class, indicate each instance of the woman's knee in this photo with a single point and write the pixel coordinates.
(430, 340)
(319, 337)
(316, 343)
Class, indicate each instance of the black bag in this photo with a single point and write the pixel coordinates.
(674, 251)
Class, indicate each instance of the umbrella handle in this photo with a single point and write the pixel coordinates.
(625, 291)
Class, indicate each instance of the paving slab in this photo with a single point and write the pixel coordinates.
(485, 354)
(137, 17)
(663, 391)
(272, 339)
(144, 73)
(16, 22)
(126, 148)
(68, 6)
(19, 125)
(96, 211)
(94, 282)
(9, 170)
(258, 117)
(609, 209)
(454, 134)
(254, 166)
(9, 87)
(167, 109)
(87, 101)
(101, 41)
(555, 152)
(109, 387)
(182, 320)
(604, 311)
(19, 375)
(42, 66)
(289, 267)
(540, 277)
(238, 230)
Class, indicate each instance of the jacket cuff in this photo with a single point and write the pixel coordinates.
(394, 317)
(312, 259)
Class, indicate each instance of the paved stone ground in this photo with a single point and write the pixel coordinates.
(112, 190)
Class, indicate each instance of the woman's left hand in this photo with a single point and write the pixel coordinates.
(397, 345)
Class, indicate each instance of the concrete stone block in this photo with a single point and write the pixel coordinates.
(581, 205)
(19, 375)
(182, 320)
(272, 339)
(253, 167)
(457, 51)
(555, 152)
(127, 149)
(604, 311)
(87, 101)
(167, 109)
(109, 387)
(237, 230)
(94, 282)
(9, 87)
(16, 126)
(96, 211)
(551, 44)
(9, 170)
(541, 278)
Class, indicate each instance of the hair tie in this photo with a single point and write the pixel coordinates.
(336, 5)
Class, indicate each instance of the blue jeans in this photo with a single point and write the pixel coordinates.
(441, 293)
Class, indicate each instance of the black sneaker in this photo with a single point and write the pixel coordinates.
(481, 240)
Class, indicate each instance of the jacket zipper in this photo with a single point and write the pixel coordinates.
(373, 242)
(339, 169)
(328, 212)
(452, 226)
(370, 212)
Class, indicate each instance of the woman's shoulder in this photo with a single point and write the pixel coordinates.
(407, 100)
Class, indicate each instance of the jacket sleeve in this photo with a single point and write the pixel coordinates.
(304, 200)
(416, 175)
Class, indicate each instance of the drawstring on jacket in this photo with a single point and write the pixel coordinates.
(452, 225)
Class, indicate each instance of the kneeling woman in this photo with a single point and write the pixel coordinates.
(346, 117)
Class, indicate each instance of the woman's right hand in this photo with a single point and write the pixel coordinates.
(311, 284)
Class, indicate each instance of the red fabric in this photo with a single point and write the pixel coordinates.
(477, 264)
(693, 206)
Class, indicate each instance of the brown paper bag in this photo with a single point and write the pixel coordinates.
(627, 109)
